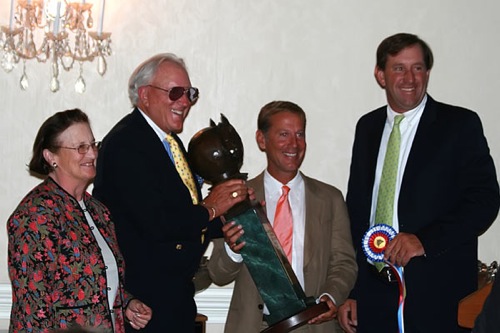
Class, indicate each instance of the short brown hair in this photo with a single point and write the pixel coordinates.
(394, 44)
(272, 108)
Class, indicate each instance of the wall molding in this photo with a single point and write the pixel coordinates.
(5, 301)
(212, 302)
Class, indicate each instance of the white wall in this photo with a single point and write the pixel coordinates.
(243, 54)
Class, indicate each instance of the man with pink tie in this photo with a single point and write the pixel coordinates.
(319, 239)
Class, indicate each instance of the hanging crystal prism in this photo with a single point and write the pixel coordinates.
(30, 47)
(90, 21)
(55, 68)
(80, 82)
(24, 78)
(101, 65)
(8, 61)
(43, 55)
(80, 85)
(71, 43)
(54, 82)
(67, 61)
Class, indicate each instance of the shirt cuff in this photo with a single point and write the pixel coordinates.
(326, 294)
(236, 257)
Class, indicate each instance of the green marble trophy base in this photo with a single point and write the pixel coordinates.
(276, 282)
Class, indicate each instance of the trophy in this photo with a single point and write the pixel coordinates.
(216, 154)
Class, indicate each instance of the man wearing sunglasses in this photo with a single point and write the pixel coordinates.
(163, 226)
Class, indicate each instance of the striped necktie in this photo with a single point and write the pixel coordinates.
(182, 167)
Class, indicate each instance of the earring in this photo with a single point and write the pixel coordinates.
(54, 165)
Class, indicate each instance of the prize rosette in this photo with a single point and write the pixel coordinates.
(375, 241)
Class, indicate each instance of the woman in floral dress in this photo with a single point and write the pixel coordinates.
(64, 262)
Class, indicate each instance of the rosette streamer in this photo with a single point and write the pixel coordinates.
(374, 244)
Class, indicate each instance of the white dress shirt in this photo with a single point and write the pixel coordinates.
(297, 200)
(296, 197)
(408, 128)
(112, 278)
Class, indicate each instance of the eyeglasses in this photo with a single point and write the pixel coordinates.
(84, 147)
(175, 93)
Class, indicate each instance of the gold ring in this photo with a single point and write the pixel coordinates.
(234, 194)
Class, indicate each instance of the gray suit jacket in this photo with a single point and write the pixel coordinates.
(329, 260)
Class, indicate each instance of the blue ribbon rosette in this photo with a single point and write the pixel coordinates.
(374, 244)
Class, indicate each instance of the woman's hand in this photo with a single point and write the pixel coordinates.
(138, 314)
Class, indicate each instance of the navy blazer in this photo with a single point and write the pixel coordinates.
(159, 229)
(449, 196)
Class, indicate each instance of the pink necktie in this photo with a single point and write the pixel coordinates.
(283, 223)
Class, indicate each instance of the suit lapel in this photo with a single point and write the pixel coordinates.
(422, 144)
(259, 186)
(374, 138)
(146, 136)
(313, 229)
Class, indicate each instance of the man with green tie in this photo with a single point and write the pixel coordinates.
(440, 195)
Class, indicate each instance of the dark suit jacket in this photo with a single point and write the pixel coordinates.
(449, 196)
(158, 227)
(329, 262)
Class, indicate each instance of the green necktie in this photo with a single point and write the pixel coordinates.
(387, 188)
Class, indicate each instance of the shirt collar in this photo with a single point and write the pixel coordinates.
(159, 132)
(274, 185)
(409, 115)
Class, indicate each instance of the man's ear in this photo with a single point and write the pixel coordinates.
(261, 140)
(142, 92)
(380, 76)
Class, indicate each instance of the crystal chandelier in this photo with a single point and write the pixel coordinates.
(56, 31)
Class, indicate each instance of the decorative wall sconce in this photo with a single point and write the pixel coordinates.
(56, 31)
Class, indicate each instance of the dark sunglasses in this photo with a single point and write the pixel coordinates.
(175, 93)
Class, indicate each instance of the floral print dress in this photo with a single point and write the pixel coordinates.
(55, 265)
